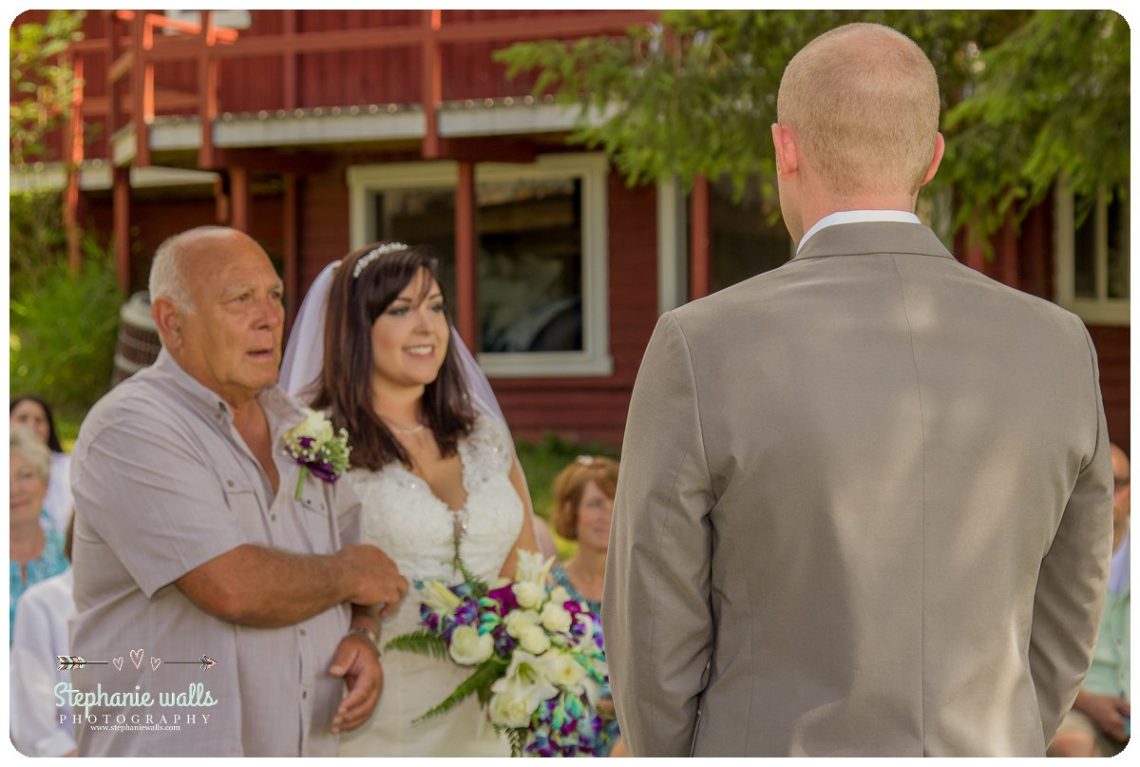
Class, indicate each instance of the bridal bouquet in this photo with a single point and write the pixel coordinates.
(536, 654)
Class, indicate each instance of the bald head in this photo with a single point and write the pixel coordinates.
(862, 101)
(180, 256)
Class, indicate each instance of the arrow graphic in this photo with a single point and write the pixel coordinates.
(206, 662)
(72, 662)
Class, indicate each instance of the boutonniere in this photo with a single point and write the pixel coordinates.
(313, 445)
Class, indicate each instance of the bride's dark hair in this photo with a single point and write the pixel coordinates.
(345, 382)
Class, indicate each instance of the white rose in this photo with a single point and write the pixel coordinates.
(469, 647)
(559, 596)
(555, 617)
(529, 594)
(316, 426)
(516, 619)
(534, 640)
(563, 670)
(439, 597)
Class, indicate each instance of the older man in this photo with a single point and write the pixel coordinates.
(865, 499)
(223, 602)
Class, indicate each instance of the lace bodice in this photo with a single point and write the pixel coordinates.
(403, 517)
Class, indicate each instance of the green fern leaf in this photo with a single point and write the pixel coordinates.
(421, 642)
(486, 673)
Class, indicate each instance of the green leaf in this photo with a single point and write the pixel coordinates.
(420, 642)
(482, 679)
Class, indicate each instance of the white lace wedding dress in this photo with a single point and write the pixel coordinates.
(416, 529)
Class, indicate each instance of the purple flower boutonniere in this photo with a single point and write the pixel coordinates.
(313, 445)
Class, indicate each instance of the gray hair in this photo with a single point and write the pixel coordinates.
(167, 279)
(26, 444)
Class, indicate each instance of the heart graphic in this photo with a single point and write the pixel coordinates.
(118, 663)
(137, 658)
(155, 663)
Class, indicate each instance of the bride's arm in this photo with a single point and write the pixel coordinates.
(526, 539)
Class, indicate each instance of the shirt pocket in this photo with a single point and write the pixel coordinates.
(247, 508)
(315, 513)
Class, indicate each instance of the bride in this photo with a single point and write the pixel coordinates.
(434, 475)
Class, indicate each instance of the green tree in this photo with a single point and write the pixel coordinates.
(696, 94)
(62, 323)
(41, 81)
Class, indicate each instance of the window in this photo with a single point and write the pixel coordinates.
(542, 257)
(230, 19)
(746, 238)
(1092, 258)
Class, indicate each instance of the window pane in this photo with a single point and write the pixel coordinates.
(1118, 247)
(744, 243)
(530, 265)
(421, 217)
(1084, 257)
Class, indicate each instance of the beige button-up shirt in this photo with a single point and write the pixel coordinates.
(163, 483)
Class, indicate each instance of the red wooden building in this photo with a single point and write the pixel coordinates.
(319, 131)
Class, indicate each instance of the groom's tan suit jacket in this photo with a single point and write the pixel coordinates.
(864, 508)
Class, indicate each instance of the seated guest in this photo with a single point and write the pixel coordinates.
(34, 554)
(39, 635)
(1098, 724)
(34, 413)
(583, 510)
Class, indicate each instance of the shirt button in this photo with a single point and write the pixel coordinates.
(303, 633)
(304, 694)
(272, 517)
(230, 482)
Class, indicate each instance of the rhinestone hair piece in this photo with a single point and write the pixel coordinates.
(375, 253)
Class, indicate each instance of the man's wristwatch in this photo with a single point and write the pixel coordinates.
(373, 637)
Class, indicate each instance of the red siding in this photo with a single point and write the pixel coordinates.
(153, 220)
(1114, 355)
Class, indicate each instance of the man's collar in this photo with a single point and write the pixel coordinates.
(279, 406)
(857, 217)
(874, 238)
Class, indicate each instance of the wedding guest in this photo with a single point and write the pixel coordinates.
(35, 413)
(200, 536)
(583, 511)
(865, 498)
(34, 554)
(38, 637)
(1098, 723)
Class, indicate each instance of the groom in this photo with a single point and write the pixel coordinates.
(865, 504)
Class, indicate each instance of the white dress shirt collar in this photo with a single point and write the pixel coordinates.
(858, 217)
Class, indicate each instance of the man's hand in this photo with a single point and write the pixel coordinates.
(1107, 712)
(376, 578)
(358, 663)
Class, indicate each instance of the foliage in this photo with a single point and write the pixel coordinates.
(37, 240)
(1051, 101)
(41, 82)
(63, 333)
(696, 95)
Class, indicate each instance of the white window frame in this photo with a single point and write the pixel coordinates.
(672, 245)
(230, 18)
(593, 170)
(1101, 310)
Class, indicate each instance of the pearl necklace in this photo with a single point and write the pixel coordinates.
(403, 430)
